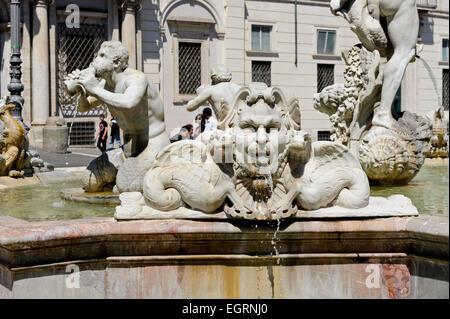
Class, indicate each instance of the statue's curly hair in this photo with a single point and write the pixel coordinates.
(220, 74)
(120, 52)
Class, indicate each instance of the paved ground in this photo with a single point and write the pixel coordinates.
(75, 157)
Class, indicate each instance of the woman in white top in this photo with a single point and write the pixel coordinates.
(198, 124)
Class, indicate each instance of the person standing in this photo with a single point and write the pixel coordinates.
(115, 134)
(102, 134)
(198, 126)
(210, 121)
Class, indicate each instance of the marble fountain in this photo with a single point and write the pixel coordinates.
(255, 209)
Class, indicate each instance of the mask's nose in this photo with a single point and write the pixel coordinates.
(261, 135)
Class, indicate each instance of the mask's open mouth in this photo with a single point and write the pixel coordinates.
(261, 182)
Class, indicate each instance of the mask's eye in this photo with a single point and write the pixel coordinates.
(249, 128)
(273, 128)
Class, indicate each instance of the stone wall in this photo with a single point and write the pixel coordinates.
(378, 258)
(237, 17)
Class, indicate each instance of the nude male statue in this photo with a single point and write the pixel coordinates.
(133, 101)
(219, 94)
(402, 20)
(131, 98)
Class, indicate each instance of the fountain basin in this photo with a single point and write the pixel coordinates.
(39, 199)
(396, 257)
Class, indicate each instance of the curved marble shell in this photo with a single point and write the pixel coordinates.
(389, 159)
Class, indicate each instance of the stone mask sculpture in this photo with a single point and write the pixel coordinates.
(258, 165)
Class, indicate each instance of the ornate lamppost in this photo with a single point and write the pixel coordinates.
(15, 87)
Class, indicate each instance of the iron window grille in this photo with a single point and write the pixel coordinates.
(262, 72)
(189, 67)
(324, 136)
(77, 48)
(81, 133)
(325, 76)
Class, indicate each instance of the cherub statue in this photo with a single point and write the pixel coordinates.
(219, 94)
(132, 99)
(392, 28)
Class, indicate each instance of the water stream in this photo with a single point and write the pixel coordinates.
(433, 80)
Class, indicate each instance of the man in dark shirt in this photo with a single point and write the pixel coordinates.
(115, 134)
(102, 134)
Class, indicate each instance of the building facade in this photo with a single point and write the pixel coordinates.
(294, 45)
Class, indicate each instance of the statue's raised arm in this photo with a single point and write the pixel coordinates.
(219, 94)
(132, 99)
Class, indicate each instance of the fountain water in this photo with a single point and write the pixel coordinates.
(433, 80)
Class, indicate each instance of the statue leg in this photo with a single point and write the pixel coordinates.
(139, 142)
(403, 29)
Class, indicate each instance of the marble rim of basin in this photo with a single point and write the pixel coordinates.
(133, 207)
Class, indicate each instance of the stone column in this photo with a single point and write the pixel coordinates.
(40, 70)
(26, 58)
(129, 9)
(113, 20)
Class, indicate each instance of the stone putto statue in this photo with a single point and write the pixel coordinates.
(134, 101)
(218, 94)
